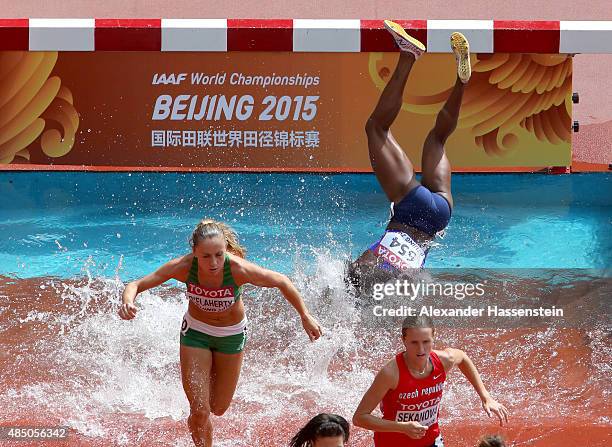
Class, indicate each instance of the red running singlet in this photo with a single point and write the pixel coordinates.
(415, 400)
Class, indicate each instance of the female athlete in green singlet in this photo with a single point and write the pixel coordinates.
(213, 333)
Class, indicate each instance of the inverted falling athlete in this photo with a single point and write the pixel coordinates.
(409, 390)
(213, 333)
(419, 210)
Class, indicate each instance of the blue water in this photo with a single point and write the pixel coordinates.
(121, 224)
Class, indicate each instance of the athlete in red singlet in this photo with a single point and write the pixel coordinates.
(409, 389)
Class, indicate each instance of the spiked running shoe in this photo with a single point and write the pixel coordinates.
(403, 40)
(461, 48)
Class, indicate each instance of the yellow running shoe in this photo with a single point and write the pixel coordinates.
(461, 48)
(403, 40)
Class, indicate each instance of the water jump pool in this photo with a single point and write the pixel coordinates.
(55, 224)
(70, 240)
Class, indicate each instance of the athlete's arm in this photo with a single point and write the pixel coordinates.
(258, 276)
(385, 380)
(456, 357)
(127, 311)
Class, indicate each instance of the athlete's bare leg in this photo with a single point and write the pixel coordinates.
(224, 379)
(434, 163)
(196, 366)
(392, 167)
(209, 380)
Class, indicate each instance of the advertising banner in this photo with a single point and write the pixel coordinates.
(273, 110)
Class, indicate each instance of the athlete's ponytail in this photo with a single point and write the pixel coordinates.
(208, 228)
(321, 426)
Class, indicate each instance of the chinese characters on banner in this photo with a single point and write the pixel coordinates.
(235, 138)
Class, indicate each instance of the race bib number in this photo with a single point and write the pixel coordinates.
(211, 300)
(184, 326)
(427, 416)
(399, 250)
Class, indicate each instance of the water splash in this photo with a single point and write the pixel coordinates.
(69, 355)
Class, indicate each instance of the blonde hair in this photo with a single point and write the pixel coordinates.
(208, 228)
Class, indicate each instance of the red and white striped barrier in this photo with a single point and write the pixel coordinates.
(299, 35)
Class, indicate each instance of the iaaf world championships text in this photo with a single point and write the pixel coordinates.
(298, 80)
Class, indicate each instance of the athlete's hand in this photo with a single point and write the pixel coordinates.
(492, 406)
(414, 430)
(127, 311)
(311, 326)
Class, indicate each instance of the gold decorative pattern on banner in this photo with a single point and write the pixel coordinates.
(507, 95)
(29, 100)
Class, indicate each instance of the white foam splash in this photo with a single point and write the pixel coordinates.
(101, 366)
